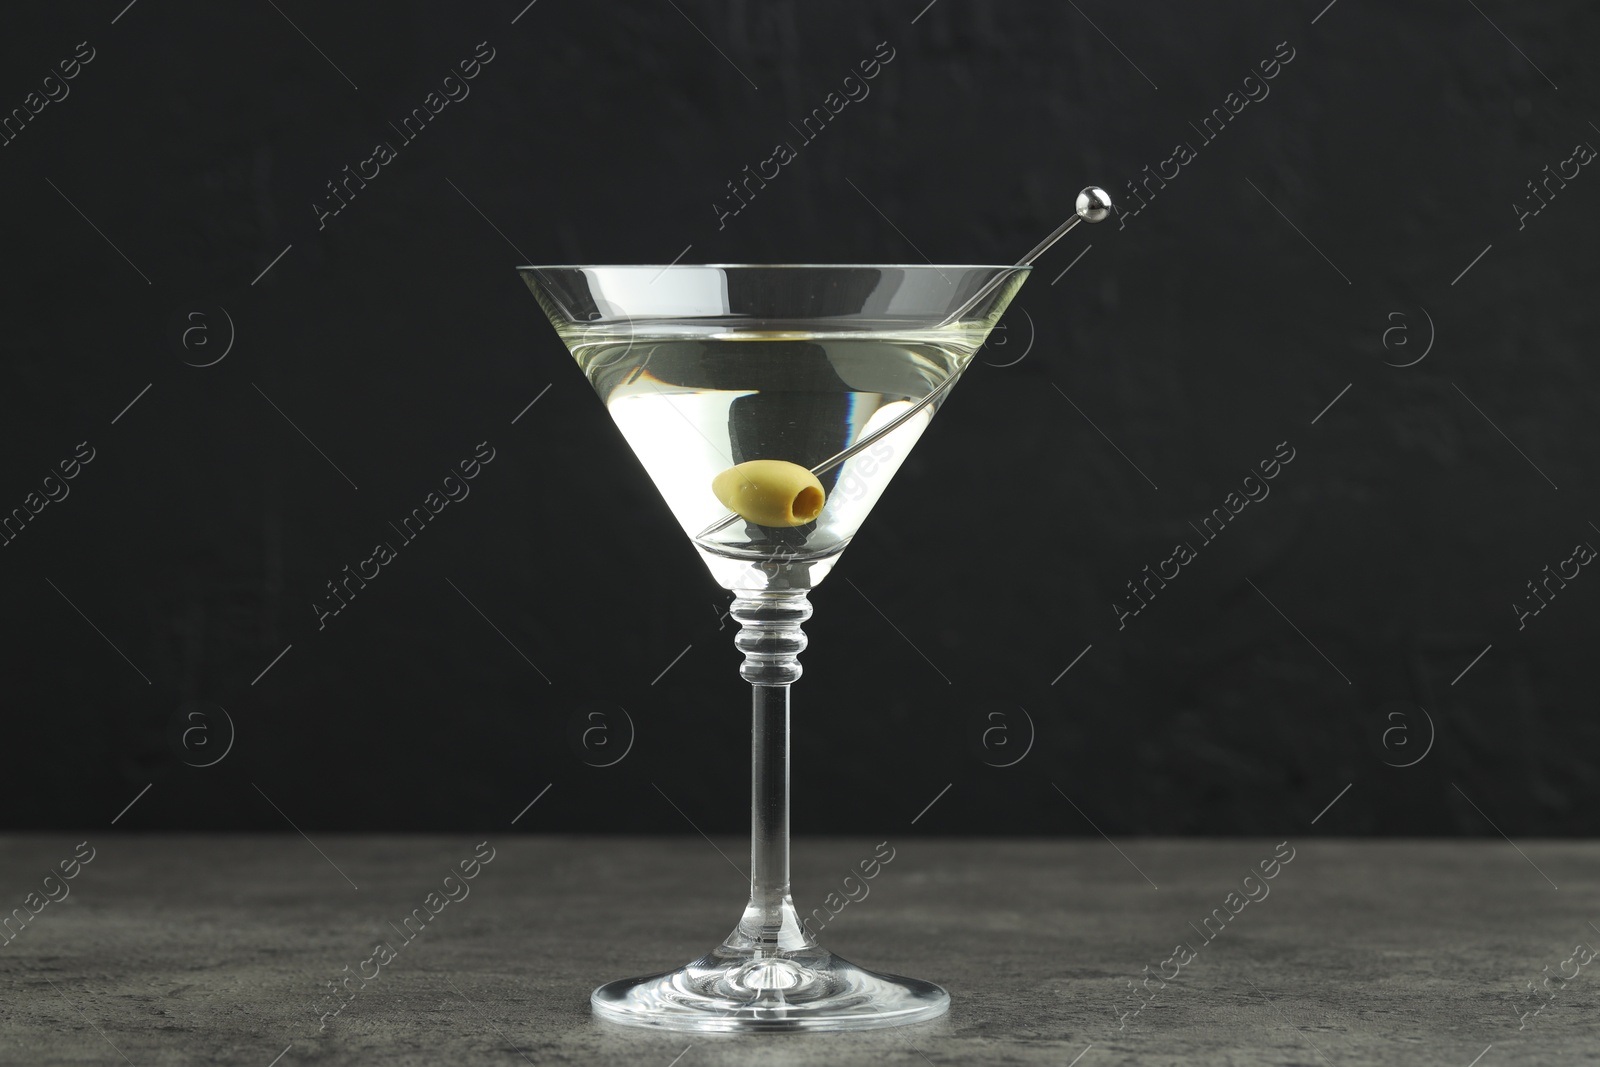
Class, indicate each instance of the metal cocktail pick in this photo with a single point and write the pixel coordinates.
(1094, 205)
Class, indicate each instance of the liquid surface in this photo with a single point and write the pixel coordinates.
(693, 407)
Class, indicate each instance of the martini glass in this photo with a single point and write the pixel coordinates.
(771, 405)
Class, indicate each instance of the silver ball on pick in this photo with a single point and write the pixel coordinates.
(1094, 204)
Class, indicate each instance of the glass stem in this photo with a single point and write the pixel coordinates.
(771, 640)
(769, 802)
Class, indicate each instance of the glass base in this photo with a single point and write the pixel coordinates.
(809, 989)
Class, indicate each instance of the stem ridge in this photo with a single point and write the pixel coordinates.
(770, 636)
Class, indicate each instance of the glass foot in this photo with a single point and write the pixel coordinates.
(809, 989)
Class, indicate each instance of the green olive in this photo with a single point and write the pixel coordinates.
(770, 492)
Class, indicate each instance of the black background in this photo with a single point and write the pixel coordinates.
(1254, 288)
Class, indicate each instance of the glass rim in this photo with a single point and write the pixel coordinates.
(775, 266)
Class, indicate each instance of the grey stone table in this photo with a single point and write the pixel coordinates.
(220, 950)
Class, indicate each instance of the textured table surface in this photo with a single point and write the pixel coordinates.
(218, 949)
